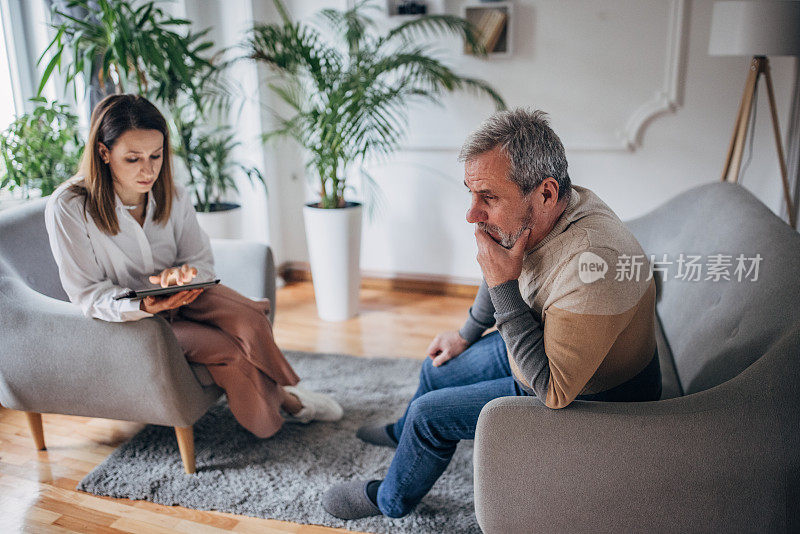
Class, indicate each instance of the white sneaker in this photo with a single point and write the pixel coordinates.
(316, 406)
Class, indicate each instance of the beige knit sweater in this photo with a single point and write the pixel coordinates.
(581, 317)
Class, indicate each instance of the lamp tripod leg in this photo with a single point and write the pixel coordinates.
(734, 137)
(782, 161)
(734, 161)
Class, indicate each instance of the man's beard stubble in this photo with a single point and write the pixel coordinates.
(507, 240)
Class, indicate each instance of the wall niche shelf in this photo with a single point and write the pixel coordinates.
(494, 22)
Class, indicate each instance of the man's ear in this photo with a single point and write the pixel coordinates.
(549, 191)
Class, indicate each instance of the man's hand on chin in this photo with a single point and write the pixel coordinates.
(499, 264)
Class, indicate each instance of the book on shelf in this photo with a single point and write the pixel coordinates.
(490, 24)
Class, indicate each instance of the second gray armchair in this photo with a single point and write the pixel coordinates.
(55, 360)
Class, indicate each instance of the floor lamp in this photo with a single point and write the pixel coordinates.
(757, 29)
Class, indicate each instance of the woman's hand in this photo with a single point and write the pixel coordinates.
(155, 305)
(174, 276)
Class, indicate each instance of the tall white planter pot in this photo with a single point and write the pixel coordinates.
(223, 223)
(334, 248)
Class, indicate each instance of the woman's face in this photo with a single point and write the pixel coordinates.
(135, 161)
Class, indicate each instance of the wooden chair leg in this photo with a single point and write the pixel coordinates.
(185, 436)
(37, 432)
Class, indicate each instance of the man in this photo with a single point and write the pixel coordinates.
(567, 327)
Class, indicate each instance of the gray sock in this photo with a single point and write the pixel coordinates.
(350, 500)
(377, 435)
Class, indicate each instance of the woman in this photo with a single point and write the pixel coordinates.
(123, 224)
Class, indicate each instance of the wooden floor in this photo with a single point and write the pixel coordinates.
(37, 488)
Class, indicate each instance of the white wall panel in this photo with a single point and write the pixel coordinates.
(644, 112)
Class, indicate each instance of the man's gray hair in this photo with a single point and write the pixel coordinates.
(533, 148)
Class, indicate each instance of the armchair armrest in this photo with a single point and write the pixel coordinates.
(723, 459)
(246, 266)
(55, 360)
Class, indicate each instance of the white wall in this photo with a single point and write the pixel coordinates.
(603, 70)
(228, 21)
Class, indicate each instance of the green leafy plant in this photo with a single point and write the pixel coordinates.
(141, 49)
(135, 48)
(40, 149)
(208, 156)
(349, 94)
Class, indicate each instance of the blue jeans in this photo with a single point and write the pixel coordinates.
(443, 411)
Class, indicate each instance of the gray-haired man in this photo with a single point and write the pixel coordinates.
(567, 328)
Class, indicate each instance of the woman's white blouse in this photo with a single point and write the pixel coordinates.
(94, 267)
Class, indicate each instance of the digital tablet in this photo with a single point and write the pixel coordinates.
(159, 291)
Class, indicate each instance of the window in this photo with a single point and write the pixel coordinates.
(7, 110)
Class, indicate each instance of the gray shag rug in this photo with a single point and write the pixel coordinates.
(284, 477)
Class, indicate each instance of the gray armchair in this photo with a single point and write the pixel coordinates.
(721, 451)
(55, 360)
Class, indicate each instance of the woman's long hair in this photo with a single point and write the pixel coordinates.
(112, 117)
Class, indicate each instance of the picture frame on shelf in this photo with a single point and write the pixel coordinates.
(414, 8)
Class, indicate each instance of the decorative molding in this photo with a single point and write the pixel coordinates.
(666, 99)
(670, 96)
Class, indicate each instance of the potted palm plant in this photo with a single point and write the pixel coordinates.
(40, 149)
(129, 46)
(123, 46)
(349, 98)
(208, 157)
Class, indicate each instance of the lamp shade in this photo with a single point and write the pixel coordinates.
(766, 28)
